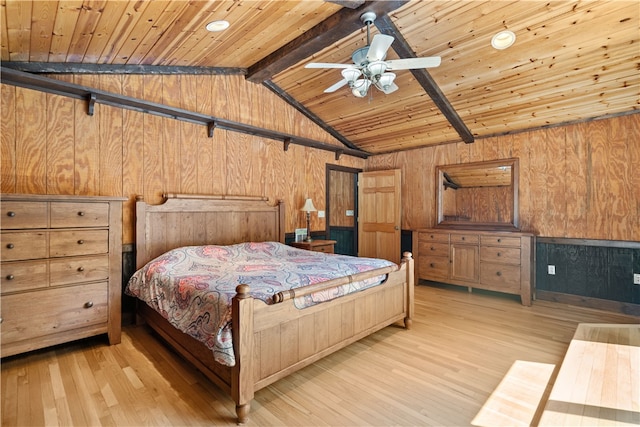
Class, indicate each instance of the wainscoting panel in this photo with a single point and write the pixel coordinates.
(599, 271)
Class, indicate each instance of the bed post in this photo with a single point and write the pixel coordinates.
(242, 373)
(281, 219)
(141, 235)
(407, 260)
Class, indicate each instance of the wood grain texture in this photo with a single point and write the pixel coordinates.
(128, 153)
(132, 157)
(576, 181)
(8, 139)
(30, 142)
(87, 147)
(536, 83)
(445, 369)
(26, 113)
(342, 198)
(60, 154)
(111, 140)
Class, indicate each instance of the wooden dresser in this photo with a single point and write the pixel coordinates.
(497, 261)
(60, 270)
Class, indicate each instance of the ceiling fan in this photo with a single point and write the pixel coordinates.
(369, 66)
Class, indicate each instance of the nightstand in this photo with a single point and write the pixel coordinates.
(325, 246)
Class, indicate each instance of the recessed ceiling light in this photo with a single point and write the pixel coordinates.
(217, 26)
(503, 39)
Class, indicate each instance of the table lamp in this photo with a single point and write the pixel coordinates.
(308, 208)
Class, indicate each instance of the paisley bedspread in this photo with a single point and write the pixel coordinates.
(192, 286)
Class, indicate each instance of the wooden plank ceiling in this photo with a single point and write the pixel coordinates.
(572, 60)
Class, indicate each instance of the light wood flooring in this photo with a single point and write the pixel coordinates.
(441, 372)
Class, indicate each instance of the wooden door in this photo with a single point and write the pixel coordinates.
(379, 214)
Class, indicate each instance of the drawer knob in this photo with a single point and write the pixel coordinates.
(432, 265)
(10, 246)
(499, 273)
(11, 214)
(81, 269)
(10, 277)
(499, 240)
(88, 304)
(432, 236)
(432, 248)
(80, 213)
(462, 237)
(1, 319)
(499, 254)
(80, 242)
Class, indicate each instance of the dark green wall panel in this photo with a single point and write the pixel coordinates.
(588, 270)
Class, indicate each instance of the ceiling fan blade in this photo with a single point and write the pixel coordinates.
(336, 86)
(379, 46)
(413, 63)
(389, 89)
(326, 65)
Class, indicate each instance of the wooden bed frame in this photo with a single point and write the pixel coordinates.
(270, 341)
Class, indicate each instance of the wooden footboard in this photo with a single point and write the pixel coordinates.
(270, 341)
(273, 341)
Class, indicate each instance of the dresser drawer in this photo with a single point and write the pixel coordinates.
(38, 313)
(506, 255)
(433, 249)
(24, 245)
(78, 242)
(80, 269)
(427, 236)
(464, 238)
(433, 268)
(500, 276)
(24, 215)
(24, 275)
(65, 214)
(500, 241)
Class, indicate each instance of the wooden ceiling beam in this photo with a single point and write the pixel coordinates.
(351, 4)
(95, 96)
(331, 30)
(77, 68)
(311, 116)
(401, 47)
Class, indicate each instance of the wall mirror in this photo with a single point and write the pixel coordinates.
(481, 195)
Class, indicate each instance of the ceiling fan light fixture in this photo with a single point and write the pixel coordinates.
(351, 74)
(360, 88)
(503, 39)
(385, 81)
(215, 26)
(377, 68)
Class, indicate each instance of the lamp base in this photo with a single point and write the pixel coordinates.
(308, 238)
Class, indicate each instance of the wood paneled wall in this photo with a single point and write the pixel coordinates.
(51, 146)
(341, 198)
(577, 181)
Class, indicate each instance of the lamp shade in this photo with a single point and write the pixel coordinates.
(350, 74)
(376, 68)
(308, 206)
(360, 88)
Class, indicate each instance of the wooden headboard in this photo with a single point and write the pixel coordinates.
(186, 219)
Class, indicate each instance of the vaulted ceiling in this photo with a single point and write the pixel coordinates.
(572, 60)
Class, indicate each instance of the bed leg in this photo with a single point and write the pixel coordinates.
(242, 411)
(407, 260)
(408, 322)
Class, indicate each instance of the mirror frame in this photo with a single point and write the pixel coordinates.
(440, 187)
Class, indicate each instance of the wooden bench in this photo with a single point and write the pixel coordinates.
(599, 380)
(516, 400)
